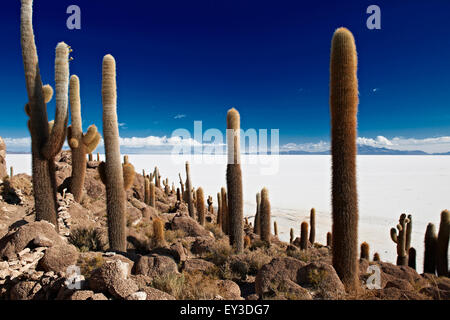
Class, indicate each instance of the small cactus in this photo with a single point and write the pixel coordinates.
(275, 228)
(152, 199)
(178, 194)
(158, 233)
(11, 172)
(304, 236)
(429, 261)
(247, 242)
(376, 257)
(364, 251)
(329, 239)
(312, 224)
(210, 205)
(181, 184)
(257, 228)
(200, 206)
(190, 200)
(442, 245)
(219, 211)
(412, 258)
(146, 190)
(265, 216)
(292, 236)
(225, 213)
(400, 240)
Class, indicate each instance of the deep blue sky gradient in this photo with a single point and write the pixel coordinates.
(270, 59)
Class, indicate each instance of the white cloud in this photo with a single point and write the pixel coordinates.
(308, 147)
(431, 145)
(180, 116)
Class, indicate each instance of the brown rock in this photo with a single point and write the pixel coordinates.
(155, 265)
(202, 245)
(24, 290)
(193, 265)
(323, 278)
(17, 240)
(278, 273)
(399, 284)
(58, 258)
(190, 227)
(229, 290)
(81, 295)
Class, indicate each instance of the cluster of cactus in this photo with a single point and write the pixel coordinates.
(47, 138)
(402, 238)
(344, 107)
(436, 247)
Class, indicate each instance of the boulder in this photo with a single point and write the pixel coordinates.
(144, 284)
(140, 295)
(229, 290)
(24, 290)
(323, 278)
(202, 245)
(193, 265)
(112, 277)
(58, 258)
(190, 227)
(392, 272)
(17, 240)
(155, 265)
(280, 275)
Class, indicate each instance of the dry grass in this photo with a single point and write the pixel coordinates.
(87, 239)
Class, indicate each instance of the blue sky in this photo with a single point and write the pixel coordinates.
(181, 61)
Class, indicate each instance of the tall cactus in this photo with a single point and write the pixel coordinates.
(442, 245)
(265, 216)
(189, 197)
(200, 206)
(181, 184)
(45, 144)
(312, 224)
(152, 196)
(401, 240)
(344, 107)
(115, 193)
(234, 181)
(219, 211)
(80, 144)
(429, 260)
(146, 190)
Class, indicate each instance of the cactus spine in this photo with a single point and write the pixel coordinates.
(265, 216)
(189, 197)
(234, 181)
(79, 143)
(200, 206)
(344, 106)
(312, 223)
(442, 245)
(429, 260)
(45, 144)
(304, 236)
(401, 239)
(365, 251)
(115, 193)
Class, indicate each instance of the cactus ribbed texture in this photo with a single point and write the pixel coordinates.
(312, 225)
(343, 107)
(80, 144)
(115, 192)
(265, 216)
(189, 198)
(201, 206)
(442, 245)
(365, 251)
(429, 260)
(234, 181)
(401, 239)
(44, 144)
(304, 236)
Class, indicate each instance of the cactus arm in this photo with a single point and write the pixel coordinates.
(394, 235)
(58, 133)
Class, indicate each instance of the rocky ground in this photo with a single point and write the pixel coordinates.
(195, 262)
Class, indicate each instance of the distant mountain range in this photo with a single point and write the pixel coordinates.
(368, 150)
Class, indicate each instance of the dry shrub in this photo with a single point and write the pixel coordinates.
(87, 239)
